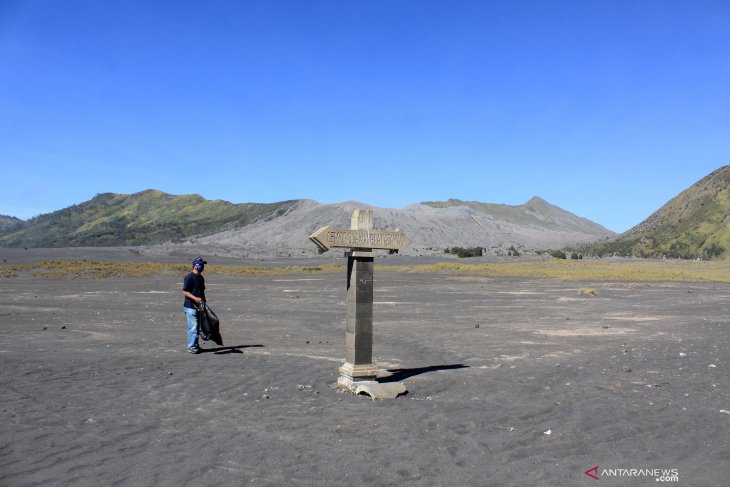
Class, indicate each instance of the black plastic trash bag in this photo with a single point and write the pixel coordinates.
(208, 324)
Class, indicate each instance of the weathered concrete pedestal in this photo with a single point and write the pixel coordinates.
(359, 374)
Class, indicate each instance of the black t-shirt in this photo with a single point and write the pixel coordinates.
(195, 285)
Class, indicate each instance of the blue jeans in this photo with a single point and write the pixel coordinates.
(192, 316)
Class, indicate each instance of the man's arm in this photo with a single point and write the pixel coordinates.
(190, 296)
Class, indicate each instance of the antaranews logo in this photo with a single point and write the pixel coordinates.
(659, 474)
(593, 472)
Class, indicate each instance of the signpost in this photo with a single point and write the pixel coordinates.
(359, 370)
(328, 237)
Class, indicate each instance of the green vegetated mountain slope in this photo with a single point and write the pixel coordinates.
(8, 223)
(693, 224)
(144, 218)
(536, 212)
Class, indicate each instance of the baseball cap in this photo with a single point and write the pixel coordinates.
(199, 261)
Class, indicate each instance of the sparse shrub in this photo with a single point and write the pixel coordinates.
(558, 254)
(462, 252)
(513, 252)
(713, 250)
(679, 250)
(587, 291)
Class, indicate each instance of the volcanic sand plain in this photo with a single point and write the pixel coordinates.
(510, 382)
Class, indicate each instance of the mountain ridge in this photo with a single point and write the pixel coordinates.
(144, 218)
(152, 217)
(536, 210)
(693, 224)
(431, 229)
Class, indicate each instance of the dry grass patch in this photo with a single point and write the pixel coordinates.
(76, 269)
(593, 270)
(233, 270)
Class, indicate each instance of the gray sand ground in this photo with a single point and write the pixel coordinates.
(97, 388)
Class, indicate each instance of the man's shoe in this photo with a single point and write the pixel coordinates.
(195, 350)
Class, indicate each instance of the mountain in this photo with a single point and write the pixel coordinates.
(536, 212)
(144, 218)
(169, 223)
(432, 227)
(9, 223)
(693, 224)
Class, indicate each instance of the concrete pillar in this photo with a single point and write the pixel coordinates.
(359, 364)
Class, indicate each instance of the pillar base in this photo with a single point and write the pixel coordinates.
(351, 375)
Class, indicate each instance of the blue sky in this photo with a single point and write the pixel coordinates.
(605, 108)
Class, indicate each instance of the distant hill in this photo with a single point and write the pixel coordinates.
(537, 211)
(8, 223)
(432, 226)
(155, 219)
(693, 224)
(144, 218)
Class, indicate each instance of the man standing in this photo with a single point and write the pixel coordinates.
(194, 291)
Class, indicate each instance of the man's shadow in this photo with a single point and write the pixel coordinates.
(227, 350)
(398, 375)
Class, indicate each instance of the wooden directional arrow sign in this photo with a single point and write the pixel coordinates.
(328, 237)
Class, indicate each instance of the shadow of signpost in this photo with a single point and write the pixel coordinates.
(398, 375)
